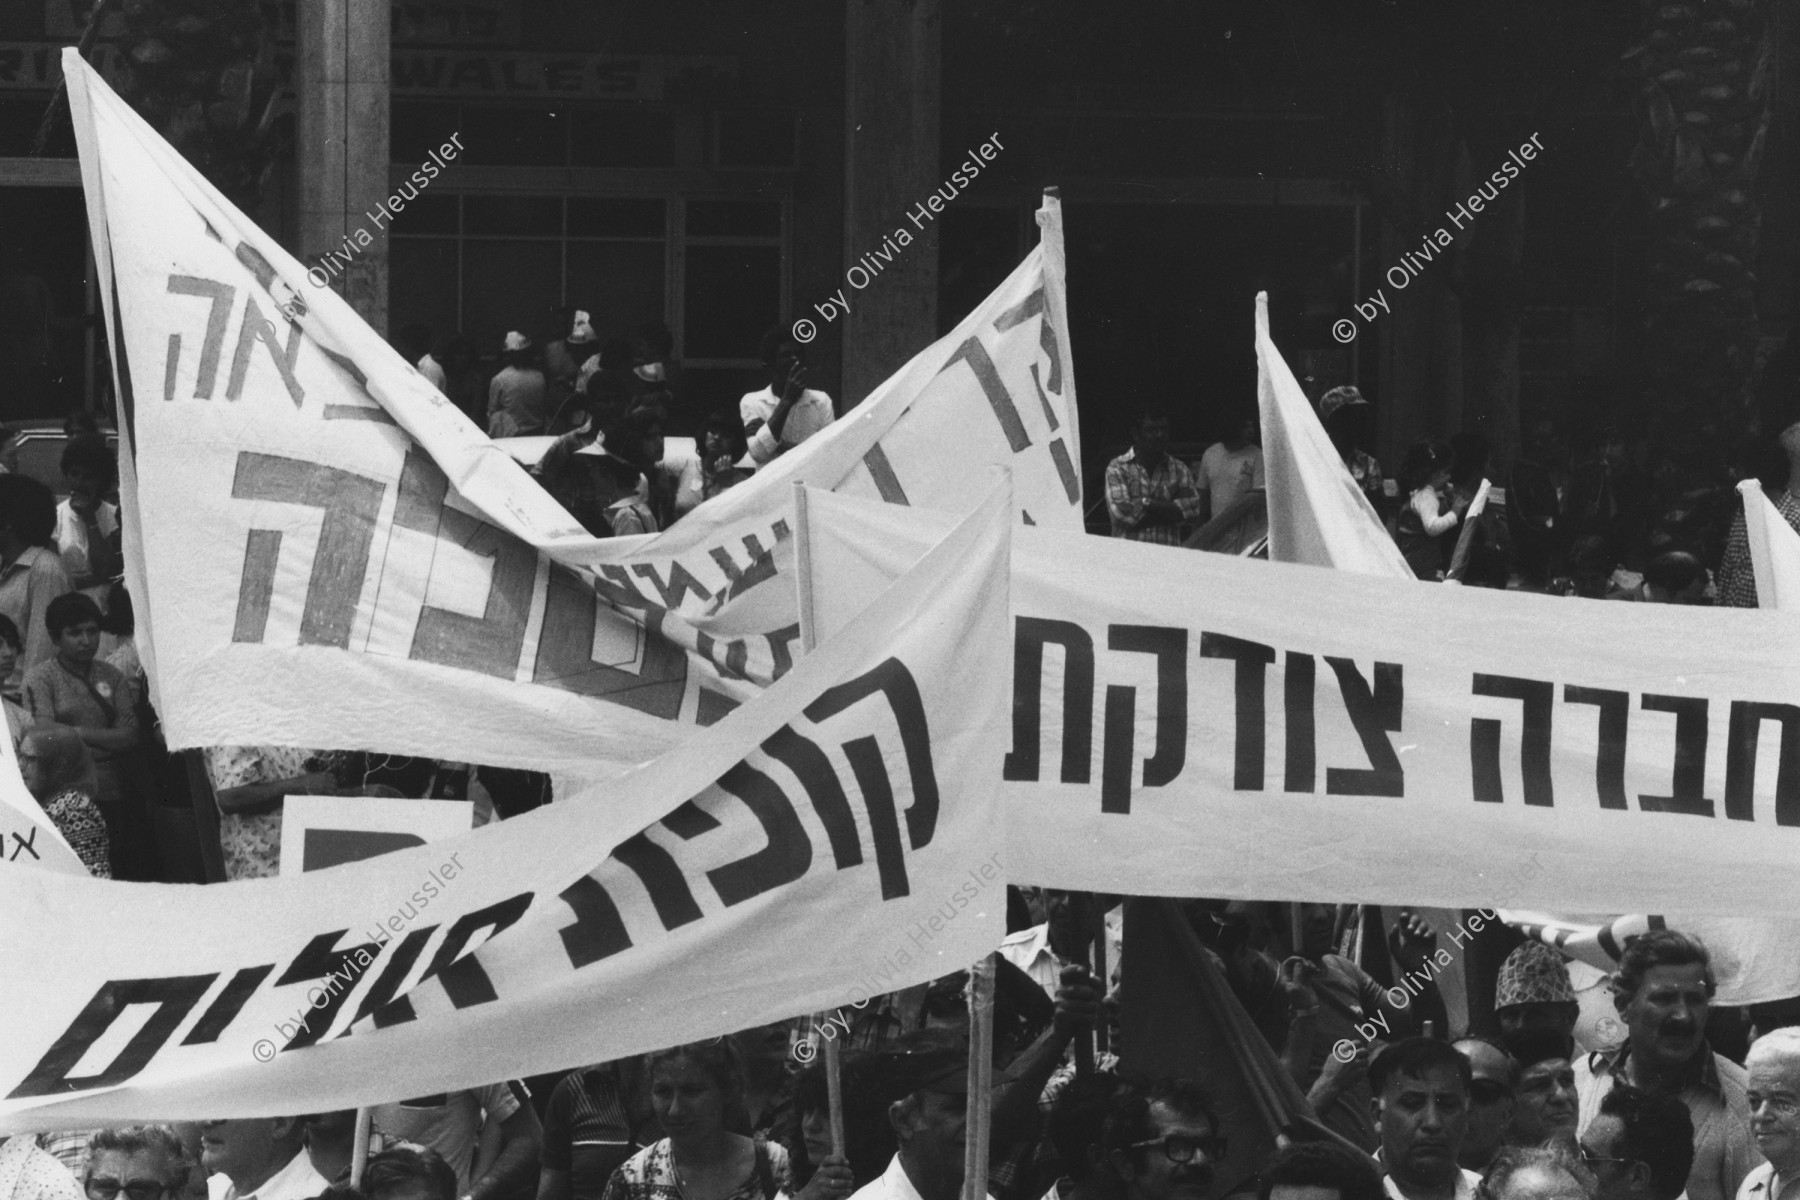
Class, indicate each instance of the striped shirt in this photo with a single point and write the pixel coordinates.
(587, 1131)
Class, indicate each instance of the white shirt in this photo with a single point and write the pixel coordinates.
(1761, 1184)
(811, 413)
(1466, 1183)
(1228, 474)
(894, 1185)
(72, 537)
(296, 1181)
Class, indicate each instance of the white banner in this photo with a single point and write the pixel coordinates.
(1196, 724)
(327, 554)
(834, 839)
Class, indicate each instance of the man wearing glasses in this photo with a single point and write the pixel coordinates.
(1774, 1096)
(136, 1162)
(1164, 1143)
(1640, 1146)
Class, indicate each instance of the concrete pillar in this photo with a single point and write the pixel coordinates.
(343, 154)
(892, 103)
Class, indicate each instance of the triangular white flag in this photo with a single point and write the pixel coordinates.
(1774, 550)
(1317, 514)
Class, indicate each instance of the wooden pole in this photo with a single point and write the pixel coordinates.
(809, 639)
(359, 1148)
(981, 1079)
(1100, 973)
(834, 1092)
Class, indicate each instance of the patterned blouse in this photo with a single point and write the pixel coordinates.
(650, 1175)
(78, 819)
(252, 841)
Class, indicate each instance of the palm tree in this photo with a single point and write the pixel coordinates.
(202, 73)
(1703, 70)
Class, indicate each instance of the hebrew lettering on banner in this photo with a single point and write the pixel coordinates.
(1279, 729)
(304, 506)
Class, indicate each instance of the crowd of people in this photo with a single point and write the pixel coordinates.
(1522, 1112)
(1514, 1108)
(607, 404)
(1594, 516)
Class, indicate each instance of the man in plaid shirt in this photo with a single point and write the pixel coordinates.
(1149, 494)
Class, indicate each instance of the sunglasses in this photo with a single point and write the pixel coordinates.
(1179, 1148)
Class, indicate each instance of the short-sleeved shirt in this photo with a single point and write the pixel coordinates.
(1724, 1151)
(450, 1124)
(72, 542)
(1227, 474)
(252, 841)
(587, 1131)
(811, 413)
(650, 1175)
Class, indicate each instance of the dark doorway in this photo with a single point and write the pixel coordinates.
(1162, 311)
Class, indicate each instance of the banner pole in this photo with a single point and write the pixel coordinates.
(834, 1093)
(1100, 970)
(803, 582)
(981, 1078)
(359, 1149)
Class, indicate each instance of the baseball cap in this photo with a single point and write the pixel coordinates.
(1338, 397)
(926, 1060)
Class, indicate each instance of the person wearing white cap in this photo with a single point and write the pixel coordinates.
(562, 368)
(518, 398)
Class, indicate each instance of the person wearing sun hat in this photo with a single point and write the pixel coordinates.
(1533, 993)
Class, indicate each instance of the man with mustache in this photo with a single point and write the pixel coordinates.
(1774, 1098)
(1421, 1108)
(1663, 990)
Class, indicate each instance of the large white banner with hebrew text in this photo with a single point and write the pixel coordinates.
(1197, 724)
(325, 553)
(833, 839)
